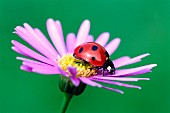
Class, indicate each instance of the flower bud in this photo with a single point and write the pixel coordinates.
(67, 86)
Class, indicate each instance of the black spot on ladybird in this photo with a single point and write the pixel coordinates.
(94, 47)
(81, 49)
(93, 58)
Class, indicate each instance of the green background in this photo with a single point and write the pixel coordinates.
(142, 25)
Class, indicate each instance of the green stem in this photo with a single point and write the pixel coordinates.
(65, 103)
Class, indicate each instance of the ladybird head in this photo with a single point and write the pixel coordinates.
(109, 66)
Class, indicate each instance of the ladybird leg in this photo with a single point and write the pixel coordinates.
(84, 62)
(98, 67)
(103, 72)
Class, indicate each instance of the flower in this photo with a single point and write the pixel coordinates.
(47, 59)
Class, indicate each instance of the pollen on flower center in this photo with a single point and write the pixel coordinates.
(84, 69)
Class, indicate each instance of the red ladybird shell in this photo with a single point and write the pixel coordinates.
(91, 52)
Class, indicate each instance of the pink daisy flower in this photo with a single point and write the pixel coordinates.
(48, 59)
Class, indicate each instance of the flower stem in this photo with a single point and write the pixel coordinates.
(66, 101)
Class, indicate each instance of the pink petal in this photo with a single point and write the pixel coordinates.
(73, 78)
(31, 53)
(59, 29)
(70, 42)
(45, 40)
(136, 73)
(90, 38)
(117, 83)
(139, 72)
(18, 51)
(136, 59)
(31, 61)
(57, 40)
(26, 68)
(42, 69)
(120, 60)
(35, 65)
(41, 39)
(133, 70)
(112, 46)
(112, 89)
(127, 61)
(83, 32)
(64, 73)
(45, 71)
(118, 78)
(89, 82)
(94, 84)
(28, 34)
(103, 38)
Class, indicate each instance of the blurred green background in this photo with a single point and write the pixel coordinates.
(142, 25)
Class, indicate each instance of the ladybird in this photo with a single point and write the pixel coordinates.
(96, 55)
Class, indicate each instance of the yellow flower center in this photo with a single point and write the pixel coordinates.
(84, 69)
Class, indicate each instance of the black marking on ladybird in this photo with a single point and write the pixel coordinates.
(107, 54)
(74, 54)
(94, 47)
(93, 58)
(81, 49)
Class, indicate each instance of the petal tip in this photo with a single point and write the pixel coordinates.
(147, 54)
(153, 65)
(13, 41)
(17, 27)
(144, 55)
(57, 22)
(139, 88)
(86, 23)
(144, 79)
(50, 20)
(25, 24)
(121, 92)
(13, 48)
(107, 33)
(118, 40)
(22, 67)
